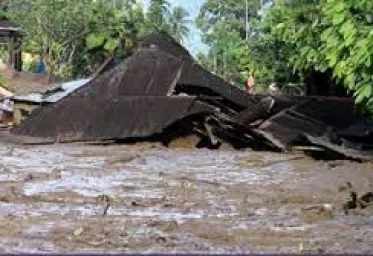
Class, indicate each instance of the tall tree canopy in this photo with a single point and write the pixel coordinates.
(158, 15)
(179, 23)
(293, 41)
(174, 21)
(224, 28)
(80, 35)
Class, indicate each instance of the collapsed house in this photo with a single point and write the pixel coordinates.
(31, 96)
(25, 104)
(160, 92)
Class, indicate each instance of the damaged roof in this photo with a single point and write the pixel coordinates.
(160, 85)
(93, 118)
(127, 101)
(194, 75)
(148, 72)
(52, 95)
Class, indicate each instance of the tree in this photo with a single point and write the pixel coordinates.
(223, 24)
(232, 11)
(160, 17)
(323, 42)
(79, 35)
(179, 23)
(331, 37)
(158, 14)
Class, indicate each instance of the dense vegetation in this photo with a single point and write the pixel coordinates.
(324, 42)
(292, 41)
(79, 35)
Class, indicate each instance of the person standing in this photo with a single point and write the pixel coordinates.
(43, 62)
(250, 84)
(40, 65)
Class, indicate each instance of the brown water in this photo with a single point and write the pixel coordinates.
(173, 200)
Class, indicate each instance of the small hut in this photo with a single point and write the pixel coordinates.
(10, 34)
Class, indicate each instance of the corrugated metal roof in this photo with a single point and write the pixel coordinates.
(147, 72)
(193, 75)
(92, 118)
(128, 101)
(135, 100)
(63, 90)
(362, 129)
(53, 95)
(34, 97)
(313, 116)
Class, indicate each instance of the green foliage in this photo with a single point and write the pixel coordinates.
(232, 56)
(57, 28)
(331, 35)
(80, 35)
(179, 23)
(293, 40)
(159, 12)
(94, 40)
(3, 82)
(173, 21)
(3, 14)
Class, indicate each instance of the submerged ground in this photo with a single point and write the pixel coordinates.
(53, 199)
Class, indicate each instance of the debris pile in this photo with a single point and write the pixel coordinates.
(354, 201)
(161, 93)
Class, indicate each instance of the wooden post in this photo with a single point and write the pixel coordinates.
(10, 51)
(15, 53)
(18, 60)
(18, 55)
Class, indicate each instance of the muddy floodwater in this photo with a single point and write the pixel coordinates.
(145, 198)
